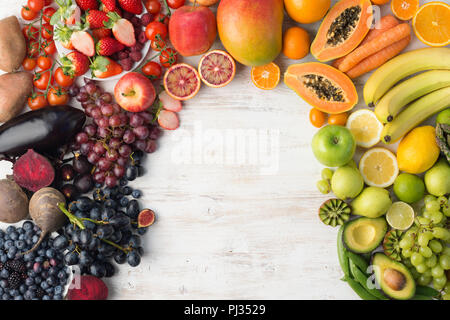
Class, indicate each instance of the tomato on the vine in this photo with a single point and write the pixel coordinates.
(44, 62)
(49, 47)
(57, 96)
(152, 69)
(48, 13)
(29, 64)
(316, 117)
(30, 32)
(175, 4)
(62, 79)
(168, 57)
(47, 31)
(28, 14)
(153, 6)
(33, 49)
(338, 119)
(37, 101)
(156, 28)
(36, 5)
(161, 17)
(42, 79)
(158, 44)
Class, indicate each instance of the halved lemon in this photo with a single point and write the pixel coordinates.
(400, 215)
(366, 128)
(378, 167)
(266, 77)
(431, 24)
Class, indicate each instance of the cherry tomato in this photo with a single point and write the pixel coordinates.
(36, 5)
(49, 47)
(48, 13)
(62, 79)
(168, 57)
(57, 96)
(37, 101)
(316, 117)
(33, 49)
(30, 32)
(29, 64)
(153, 6)
(28, 14)
(42, 79)
(47, 31)
(175, 4)
(156, 28)
(152, 69)
(338, 119)
(158, 45)
(44, 62)
(161, 17)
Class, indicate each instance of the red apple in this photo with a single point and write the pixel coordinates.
(192, 30)
(134, 92)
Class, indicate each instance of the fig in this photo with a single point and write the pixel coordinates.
(334, 212)
(146, 218)
(33, 171)
(391, 244)
(347, 182)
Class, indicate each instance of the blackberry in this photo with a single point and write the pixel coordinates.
(14, 280)
(16, 265)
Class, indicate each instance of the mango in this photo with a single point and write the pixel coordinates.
(251, 31)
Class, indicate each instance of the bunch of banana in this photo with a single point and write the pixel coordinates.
(420, 96)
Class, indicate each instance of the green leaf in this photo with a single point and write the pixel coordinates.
(100, 64)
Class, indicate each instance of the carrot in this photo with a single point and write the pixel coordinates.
(380, 42)
(377, 59)
(385, 23)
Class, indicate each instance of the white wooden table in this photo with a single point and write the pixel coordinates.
(232, 222)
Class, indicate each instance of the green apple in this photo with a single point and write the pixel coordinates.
(333, 145)
(372, 202)
(347, 182)
(437, 179)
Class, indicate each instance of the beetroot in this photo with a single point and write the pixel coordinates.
(33, 171)
(91, 288)
(146, 218)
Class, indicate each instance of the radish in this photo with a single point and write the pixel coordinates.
(170, 103)
(168, 120)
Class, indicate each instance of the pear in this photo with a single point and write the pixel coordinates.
(372, 202)
(437, 179)
(347, 182)
(13, 47)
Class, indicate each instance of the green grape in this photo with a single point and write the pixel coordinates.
(439, 282)
(433, 206)
(446, 210)
(323, 186)
(439, 232)
(427, 214)
(422, 268)
(446, 251)
(444, 262)
(431, 261)
(425, 252)
(436, 217)
(416, 259)
(447, 287)
(424, 280)
(424, 238)
(436, 246)
(327, 174)
(446, 296)
(442, 201)
(406, 243)
(423, 220)
(429, 198)
(437, 271)
(407, 253)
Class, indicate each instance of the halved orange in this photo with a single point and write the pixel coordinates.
(431, 24)
(404, 9)
(266, 77)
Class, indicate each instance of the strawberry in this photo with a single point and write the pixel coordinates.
(87, 4)
(109, 5)
(63, 34)
(83, 42)
(75, 64)
(74, 17)
(133, 6)
(96, 18)
(108, 46)
(122, 29)
(101, 33)
(104, 67)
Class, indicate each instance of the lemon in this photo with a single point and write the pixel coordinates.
(418, 150)
(366, 128)
(378, 167)
(400, 215)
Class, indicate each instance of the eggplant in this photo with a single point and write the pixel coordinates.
(43, 130)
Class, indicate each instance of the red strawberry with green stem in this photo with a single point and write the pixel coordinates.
(101, 33)
(63, 34)
(96, 18)
(103, 67)
(109, 5)
(122, 29)
(108, 46)
(87, 4)
(75, 64)
(133, 6)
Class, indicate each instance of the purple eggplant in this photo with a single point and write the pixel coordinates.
(44, 130)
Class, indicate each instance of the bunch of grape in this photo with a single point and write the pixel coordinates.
(110, 140)
(425, 245)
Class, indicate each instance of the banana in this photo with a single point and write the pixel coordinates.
(402, 66)
(415, 113)
(409, 90)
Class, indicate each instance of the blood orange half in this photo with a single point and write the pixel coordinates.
(217, 68)
(182, 81)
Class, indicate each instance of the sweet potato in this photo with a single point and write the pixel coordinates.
(13, 47)
(13, 202)
(14, 91)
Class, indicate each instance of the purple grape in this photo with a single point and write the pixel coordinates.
(96, 113)
(116, 108)
(118, 132)
(104, 164)
(90, 129)
(99, 176)
(99, 148)
(112, 155)
(114, 121)
(91, 88)
(111, 181)
(82, 137)
(114, 143)
(147, 117)
(93, 157)
(119, 171)
(125, 150)
(86, 148)
(81, 164)
(141, 132)
(123, 119)
(151, 146)
(82, 96)
(107, 110)
(103, 132)
(136, 120)
(123, 161)
(141, 145)
(84, 183)
(129, 137)
(73, 90)
(155, 133)
(103, 122)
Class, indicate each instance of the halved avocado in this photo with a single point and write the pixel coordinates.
(363, 235)
(393, 277)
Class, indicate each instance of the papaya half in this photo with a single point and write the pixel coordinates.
(342, 30)
(322, 86)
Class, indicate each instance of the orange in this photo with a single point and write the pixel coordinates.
(431, 24)
(296, 43)
(404, 9)
(380, 2)
(338, 119)
(266, 77)
(307, 11)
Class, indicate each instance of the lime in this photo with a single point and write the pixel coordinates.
(400, 215)
(409, 187)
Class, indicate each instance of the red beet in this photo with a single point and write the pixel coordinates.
(33, 171)
(91, 288)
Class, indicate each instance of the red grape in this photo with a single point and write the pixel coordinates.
(99, 148)
(93, 157)
(141, 132)
(104, 164)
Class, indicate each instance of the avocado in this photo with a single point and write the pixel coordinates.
(363, 235)
(393, 278)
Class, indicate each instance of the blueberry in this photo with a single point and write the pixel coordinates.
(10, 229)
(14, 235)
(19, 297)
(23, 288)
(29, 281)
(2, 234)
(35, 238)
(4, 274)
(2, 242)
(22, 237)
(3, 258)
(20, 244)
(136, 194)
(6, 296)
(3, 283)
(62, 275)
(12, 253)
(39, 259)
(14, 292)
(124, 202)
(37, 280)
(50, 253)
(41, 252)
(28, 225)
(123, 182)
(51, 281)
(44, 285)
(8, 244)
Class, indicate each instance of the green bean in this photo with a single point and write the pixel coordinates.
(342, 253)
(359, 261)
(362, 279)
(360, 291)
